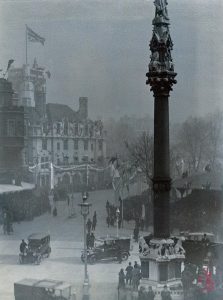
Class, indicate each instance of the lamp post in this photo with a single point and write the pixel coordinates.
(85, 212)
(117, 219)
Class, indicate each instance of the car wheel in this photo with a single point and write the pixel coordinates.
(125, 256)
(48, 252)
(92, 260)
(82, 258)
(38, 260)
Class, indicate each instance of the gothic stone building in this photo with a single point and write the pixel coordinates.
(11, 135)
(55, 132)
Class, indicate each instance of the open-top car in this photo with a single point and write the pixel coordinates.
(38, 247)
(108, 248)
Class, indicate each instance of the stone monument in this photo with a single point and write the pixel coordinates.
(161, 256)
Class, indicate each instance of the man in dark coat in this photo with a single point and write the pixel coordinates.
(165, 294)
(23, 246)
(92, 239)
(121, 281)
(129, 273)
(94, 222)
(151, 294)
(88, 240)
(89, 225)
(136, 233)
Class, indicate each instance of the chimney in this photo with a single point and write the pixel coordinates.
(83, 108)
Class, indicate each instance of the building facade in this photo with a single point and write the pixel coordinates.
(11, 135)
(55, 133)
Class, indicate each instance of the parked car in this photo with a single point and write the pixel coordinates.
(38, 248)
(45, 289)
(202, 250)
(108, 248)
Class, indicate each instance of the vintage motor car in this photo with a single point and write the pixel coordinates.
(38, 248)
(108, 248)
(46, 289)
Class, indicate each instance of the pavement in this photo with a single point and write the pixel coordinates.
(64, 262)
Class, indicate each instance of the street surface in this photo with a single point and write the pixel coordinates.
(66, 242)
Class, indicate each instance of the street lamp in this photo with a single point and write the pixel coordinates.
(85, 212)
(117, 219)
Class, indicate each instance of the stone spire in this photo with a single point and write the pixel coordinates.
(161, 68)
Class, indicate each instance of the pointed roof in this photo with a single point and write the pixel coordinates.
(58, 112)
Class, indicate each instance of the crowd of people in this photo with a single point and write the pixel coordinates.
(131, 276)
(111, 215)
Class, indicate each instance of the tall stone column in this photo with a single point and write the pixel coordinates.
(160, 257)
(161, 77)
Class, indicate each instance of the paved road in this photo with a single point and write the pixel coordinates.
(66, 242)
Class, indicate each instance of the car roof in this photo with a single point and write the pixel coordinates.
(38, 236)
(112, 238)
(201, 233)
(45, 283)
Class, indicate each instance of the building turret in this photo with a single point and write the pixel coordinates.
(11, 134)
(27, 89)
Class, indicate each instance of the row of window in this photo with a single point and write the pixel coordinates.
(15, 128)
(45, 160)
(76, 129)
(76, 145)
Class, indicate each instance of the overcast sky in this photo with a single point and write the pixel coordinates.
(99, 49)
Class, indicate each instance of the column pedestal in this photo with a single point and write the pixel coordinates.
(161, 265)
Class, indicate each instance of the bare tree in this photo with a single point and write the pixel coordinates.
(199, 142)
(213, 149)
(192, 139)
(140, 154)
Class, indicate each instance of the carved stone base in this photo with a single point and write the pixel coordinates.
(161, 265)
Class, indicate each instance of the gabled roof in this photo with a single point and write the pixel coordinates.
(59, 112)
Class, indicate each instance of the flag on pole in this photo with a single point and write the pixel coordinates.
(34, 37)
(51, 176)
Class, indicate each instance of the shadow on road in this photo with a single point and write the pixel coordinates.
(9, 259)
(67, 260)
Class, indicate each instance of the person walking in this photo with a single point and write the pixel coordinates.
(129, 270)
(94, 222)
(142, 294)
(150, 294)
(135, 277)
(89, 225)
(165, 294)
(92, 239)
(121, 281)
(22, 246)
(136, 233)
(88, 240)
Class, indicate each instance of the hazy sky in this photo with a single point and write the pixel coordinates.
(100, 49)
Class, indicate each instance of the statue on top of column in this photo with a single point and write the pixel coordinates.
(161, 10)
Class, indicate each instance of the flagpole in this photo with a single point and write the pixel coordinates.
(26, 47)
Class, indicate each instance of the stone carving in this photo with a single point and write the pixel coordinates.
(161, 46)
(162, 249)
(143, 247)
(161, 10)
